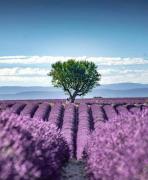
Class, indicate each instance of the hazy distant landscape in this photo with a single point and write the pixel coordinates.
(109, 90)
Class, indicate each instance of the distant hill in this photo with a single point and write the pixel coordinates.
(140, 92)
(20, 89)
(123, 86)
(109, 90)
(33, 95)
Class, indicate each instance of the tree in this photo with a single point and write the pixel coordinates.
(76, 78)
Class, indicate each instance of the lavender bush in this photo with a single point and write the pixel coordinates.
(68, 129)
(110, 111)
(30, 150)
(15, 109)
(83, 129)
(145, 109)
(29, 110)
(42, 112)
(118, 149)
(122, 110)
(56, 114)
(98, 114)
(4, 106)
(135, 109)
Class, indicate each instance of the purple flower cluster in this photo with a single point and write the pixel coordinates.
(4, 106)
(122, 110)
(42, 112)
(76, 121)
(135, 109)
(97, 113)
(110, 111)
(29, 110)
(87, 100)
(30, 150)
(15, 109)
(145, 109)
(113, 100)
(83, 129)
(55, 114)
(68, 126)
(118, 149)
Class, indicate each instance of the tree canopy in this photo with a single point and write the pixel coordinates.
(76, 78)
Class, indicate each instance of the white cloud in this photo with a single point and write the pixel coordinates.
(120, 71)
(17, 71)
(49, 59)
(117, 61)
(24, 70)
(25, 81)
(127, 77)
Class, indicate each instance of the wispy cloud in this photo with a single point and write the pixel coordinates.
(49, 59)
(17, 71)
(128, 77)
(32, 70)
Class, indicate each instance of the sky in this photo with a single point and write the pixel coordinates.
(36, 33)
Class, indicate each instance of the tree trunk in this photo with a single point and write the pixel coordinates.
(72, 98)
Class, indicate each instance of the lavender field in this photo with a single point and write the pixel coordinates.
(110, 136)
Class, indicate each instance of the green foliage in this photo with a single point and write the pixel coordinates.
(76, 78)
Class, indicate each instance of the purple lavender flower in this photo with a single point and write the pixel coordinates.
(118, 149)
(30, 149)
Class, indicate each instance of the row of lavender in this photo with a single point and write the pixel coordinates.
(47, 112)
(118, 149)
(75, 121)
(30, 150)
(114, 137)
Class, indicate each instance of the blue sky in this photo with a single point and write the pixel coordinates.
(74, 27)
(36, 33)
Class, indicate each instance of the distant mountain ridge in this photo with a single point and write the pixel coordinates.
(19, 89)
(108, 90)
(124, 86)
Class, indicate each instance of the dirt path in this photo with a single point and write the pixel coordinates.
(73, 170)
